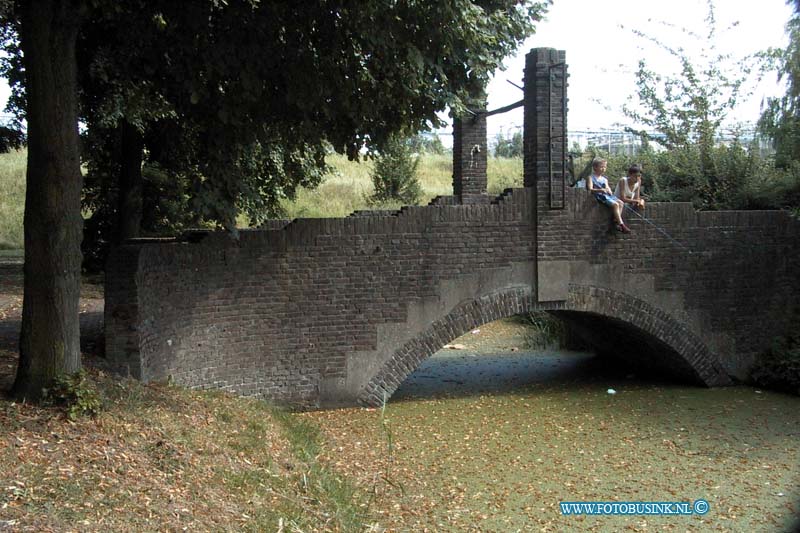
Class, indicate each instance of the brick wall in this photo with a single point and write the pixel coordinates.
(544, 136)
(305, 314)
(329, 312)
(730, 277)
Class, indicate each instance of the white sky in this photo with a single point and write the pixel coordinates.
(602, 57)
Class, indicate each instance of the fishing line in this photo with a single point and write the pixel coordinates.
(663, 232)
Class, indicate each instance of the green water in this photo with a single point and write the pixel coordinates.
(494, 442)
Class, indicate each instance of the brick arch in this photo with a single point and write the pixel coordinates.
(670, 344)
(628, 325)
(459, 321)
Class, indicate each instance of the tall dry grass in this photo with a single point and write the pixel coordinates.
(12, 198)
(346, 190)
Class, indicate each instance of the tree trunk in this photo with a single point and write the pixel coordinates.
(50, 338)
(130, 183)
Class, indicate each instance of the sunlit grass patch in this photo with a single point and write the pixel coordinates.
(345, 190)
(503, 173)
(12, 198)
(348, 188)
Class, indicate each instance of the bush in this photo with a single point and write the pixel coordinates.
(741, 178)
(772, 188)
(545, 331)
(11, 139)
(166, 211)
(425, 143)
(395, 174)
(508, 146)
(778, 368)
(76, 394)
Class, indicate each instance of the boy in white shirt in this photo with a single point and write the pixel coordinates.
(629, 188)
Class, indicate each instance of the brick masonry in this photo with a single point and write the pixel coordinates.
(306, 314)
(324, 312)
(470, 153)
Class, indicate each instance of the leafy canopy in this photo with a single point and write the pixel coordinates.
(239, 100)
(780, 119)
(686, 106)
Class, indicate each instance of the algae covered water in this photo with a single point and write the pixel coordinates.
(481, 441)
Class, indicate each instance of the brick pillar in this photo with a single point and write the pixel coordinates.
(544, 140)
(469, 155)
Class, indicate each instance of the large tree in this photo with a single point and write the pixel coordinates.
(49, 340)
(780, 119)
(239, 99)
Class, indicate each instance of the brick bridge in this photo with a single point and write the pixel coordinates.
(322, 312)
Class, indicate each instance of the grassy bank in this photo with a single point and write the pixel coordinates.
(344, 191)
(347, 188)
(12, 199)
(160, 458)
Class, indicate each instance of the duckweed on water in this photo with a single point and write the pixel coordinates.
(502, 460)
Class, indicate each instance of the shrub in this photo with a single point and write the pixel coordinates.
(742, 178)
(395, 174)
(778, 367)
(545, 331)
(508, 146)
(76, 394)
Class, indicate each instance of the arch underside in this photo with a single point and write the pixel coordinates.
(615, 324)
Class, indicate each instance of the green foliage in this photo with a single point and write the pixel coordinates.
(508, 146)
(780, 119)
(546, 331)
(779, 366)
(11, 139)
(425, 144)
(395, 174)
(346, 189)
(238, 102)
(686, 108)
(176, 192)
(76, 394)
(742, 180)
(775, 188)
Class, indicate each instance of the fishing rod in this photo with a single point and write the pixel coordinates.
(663, 232)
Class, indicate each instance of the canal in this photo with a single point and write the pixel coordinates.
(492, 436)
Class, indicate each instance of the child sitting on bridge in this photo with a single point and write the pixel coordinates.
(629, 189)
(597, 184)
